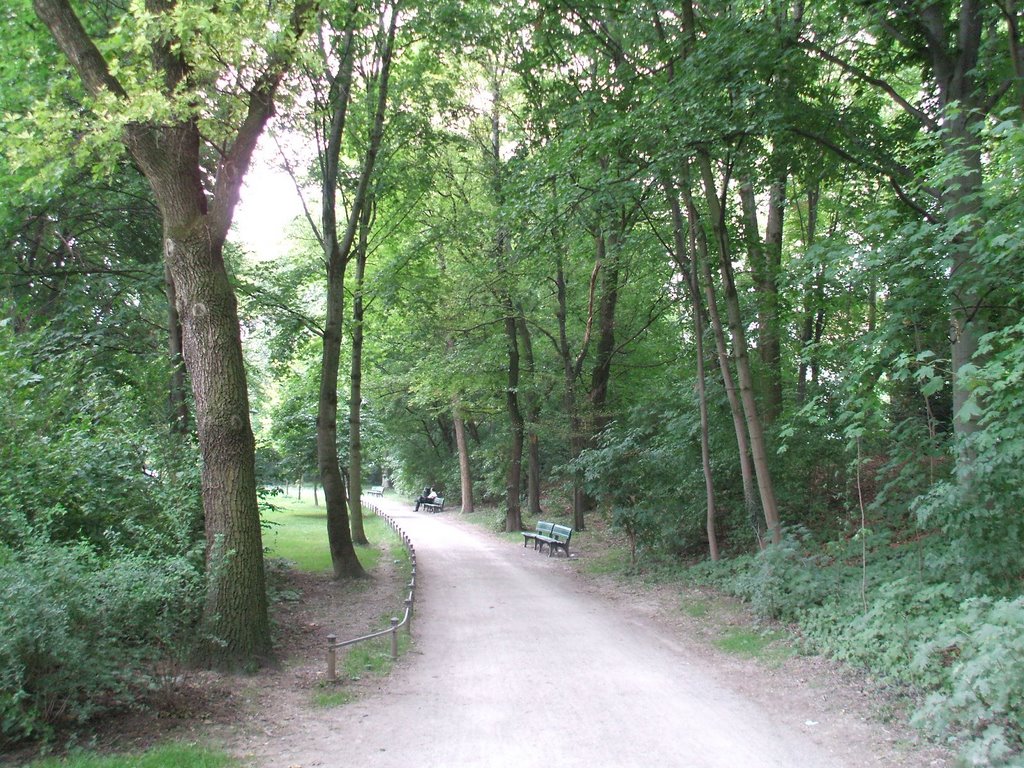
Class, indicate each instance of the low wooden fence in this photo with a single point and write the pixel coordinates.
(332, 640)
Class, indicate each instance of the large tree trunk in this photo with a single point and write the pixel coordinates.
(954, 57)
(235, 614)
(177, 386)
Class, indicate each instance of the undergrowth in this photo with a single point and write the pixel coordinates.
(896, 612)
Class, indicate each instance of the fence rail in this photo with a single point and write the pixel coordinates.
(332, 640)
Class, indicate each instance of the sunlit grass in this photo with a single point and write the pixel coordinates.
(611, 562)
(769, 646)
(297, 532)
(169, 756)
(697, 609)
(373, 657)
(330, 698)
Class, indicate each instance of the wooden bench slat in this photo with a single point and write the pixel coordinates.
(554, 535)
(437, 505)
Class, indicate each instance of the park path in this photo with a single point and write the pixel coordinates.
(515, 665)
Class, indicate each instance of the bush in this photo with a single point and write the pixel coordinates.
(79, 632)
(980, 654)
(782, 581)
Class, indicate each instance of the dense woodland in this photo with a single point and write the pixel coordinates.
(740, 280)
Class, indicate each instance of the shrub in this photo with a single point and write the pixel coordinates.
(79, 632)
(782, 582)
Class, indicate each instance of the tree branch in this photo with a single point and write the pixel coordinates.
(882, 85)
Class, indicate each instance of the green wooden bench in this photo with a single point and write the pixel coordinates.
(437, 505)
(554, 535)
(543, 529)
(375, 490)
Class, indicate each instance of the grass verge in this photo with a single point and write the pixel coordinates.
(167, 756)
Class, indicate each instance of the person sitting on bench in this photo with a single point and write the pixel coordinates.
(428, 495)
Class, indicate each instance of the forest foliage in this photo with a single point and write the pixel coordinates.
(742, 279)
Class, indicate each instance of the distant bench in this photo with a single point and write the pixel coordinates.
(437, 505)
(375, 490)
(554, 535)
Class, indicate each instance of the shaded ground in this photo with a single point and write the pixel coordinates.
(638, 681)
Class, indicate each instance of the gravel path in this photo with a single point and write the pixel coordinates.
(515, 664)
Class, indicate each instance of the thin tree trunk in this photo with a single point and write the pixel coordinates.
(702, 398)
(759, 452)
(513, 513)
(689, 268)
(355, 403)
(813, 297)
(766, 261)
(338, 253)
(465, 470)
(570, 370)
(344, 561)
(532, 416)
(747, 474)
(513, 509)
(607, 256)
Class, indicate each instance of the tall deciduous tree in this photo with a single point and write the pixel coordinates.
(169, 146)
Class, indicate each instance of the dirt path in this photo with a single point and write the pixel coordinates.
(517, 663)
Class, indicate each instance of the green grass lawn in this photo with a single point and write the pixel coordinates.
(297, 532)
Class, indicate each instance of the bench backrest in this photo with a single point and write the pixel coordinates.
(561, 533)
(439, 501)
(544, 528)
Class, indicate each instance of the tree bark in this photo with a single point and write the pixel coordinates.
(532, 417)
(355, 402)
(236, 604)
(177, 386)
(465, 469)
(513, 509)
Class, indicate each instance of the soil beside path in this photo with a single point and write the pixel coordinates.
(518, 661)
